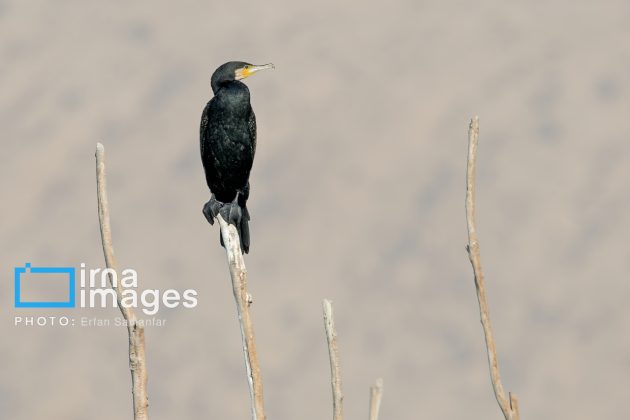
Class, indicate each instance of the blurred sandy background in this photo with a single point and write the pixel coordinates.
(362, 131)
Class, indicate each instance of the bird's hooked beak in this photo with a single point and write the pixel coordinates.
(248, 70)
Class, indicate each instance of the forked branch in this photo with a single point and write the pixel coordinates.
(509, 406)
(137, 360)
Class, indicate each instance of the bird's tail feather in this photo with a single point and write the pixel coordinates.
(243, 231)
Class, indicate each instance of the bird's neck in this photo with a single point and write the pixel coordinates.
(233, 94)
(235, 85)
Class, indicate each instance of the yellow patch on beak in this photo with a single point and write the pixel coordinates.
(242, 73)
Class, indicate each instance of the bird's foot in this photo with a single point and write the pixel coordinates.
(231, 213)
(212, 208)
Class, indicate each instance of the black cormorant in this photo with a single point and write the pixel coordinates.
(228, 145)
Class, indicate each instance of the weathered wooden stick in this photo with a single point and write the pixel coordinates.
(137, 360)
(333, 353)
(238, 273)
(509, 407)
(376, 394)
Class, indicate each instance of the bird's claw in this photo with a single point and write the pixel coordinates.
(231, 213)
(211, 209)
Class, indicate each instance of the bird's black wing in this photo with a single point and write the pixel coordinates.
(251, 123)
(203, 128)
(207, 155)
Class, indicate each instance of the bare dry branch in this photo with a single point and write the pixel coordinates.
(509, 407)
(137, 360)
(238, 273)
(376, 394)
(333, 352)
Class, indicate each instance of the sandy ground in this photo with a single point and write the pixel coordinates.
(357, 196)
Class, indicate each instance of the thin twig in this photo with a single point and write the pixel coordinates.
(509, 407)
(137, 360)
(333, 353)
(238, 273)
(376, 394)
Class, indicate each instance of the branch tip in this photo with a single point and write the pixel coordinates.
(376, 394)
(509, 406)
(135, 332)
(333, 353)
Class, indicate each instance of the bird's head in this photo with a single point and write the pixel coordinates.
(235, 70)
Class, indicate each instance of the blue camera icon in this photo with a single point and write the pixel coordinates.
(44, 274)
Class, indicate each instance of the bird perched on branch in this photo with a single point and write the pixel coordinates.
(228, 145)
